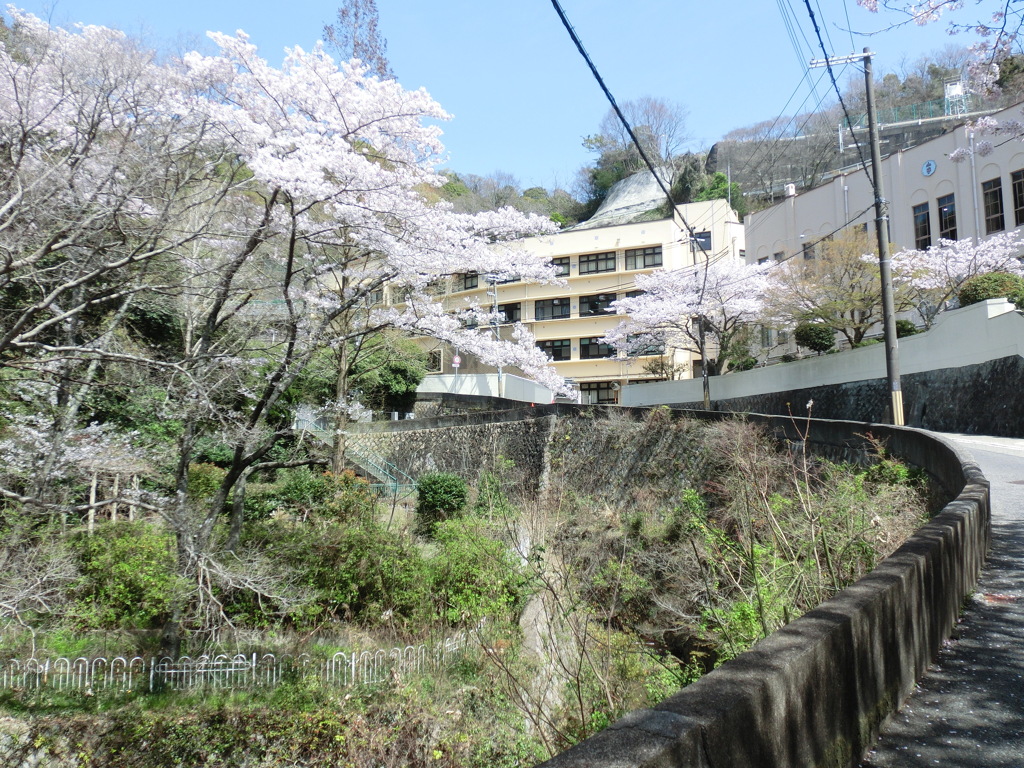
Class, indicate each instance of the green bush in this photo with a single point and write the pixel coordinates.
(128, 576)
(816, 337)
(992, 285)
(356, 570)
(905, 328)
(204, 480)
(472, 575)
(304, 493)
(441, 496)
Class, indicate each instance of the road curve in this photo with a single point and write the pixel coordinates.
(968, 709)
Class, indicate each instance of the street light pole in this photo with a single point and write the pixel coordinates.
(892, 360)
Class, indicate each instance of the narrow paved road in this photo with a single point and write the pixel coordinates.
(968, 710)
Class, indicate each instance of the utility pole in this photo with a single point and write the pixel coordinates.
(892, 360)
(492, 281)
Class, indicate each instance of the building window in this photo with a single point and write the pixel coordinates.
(508, 279)
(922, 226)
(702, 242)
(643, 258)
(779, 256)
(640, 346)
(468, 281)
(763, 260)
(992, 195)
(597, 262)
(947, 217)
(597, 304)
(562, 264)
(810, 251)
(592, 348)
(1017, 180)
(557, 349)
(511, 313)
(550, 309)
(600, 392)
(633, 294)
(434, 361)
(766, 336)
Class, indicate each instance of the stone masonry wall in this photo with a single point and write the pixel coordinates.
(468, 447)
(979, 399)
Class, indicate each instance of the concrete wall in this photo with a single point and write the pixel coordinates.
(962, 375)
(816, 692)
(485, 385)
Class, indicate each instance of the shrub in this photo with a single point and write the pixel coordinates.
(905, 328)
(204, 480)
(304, 493)
(356, 570)
(992, 285)
(816, 337)
(441, 496)
(472, 575)
(128, 577)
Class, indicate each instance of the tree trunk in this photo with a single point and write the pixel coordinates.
(237, 514)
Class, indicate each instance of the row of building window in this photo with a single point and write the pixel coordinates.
(992, 206)
(559, 308)
(589, 264)
(591, 348)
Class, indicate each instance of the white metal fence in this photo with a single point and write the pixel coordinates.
(225, 671)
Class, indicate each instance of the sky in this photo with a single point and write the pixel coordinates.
(521, 96)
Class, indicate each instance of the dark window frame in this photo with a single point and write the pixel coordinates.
(596, 304)
(653, 348)
(563, 264)
(469, 281)
(557, 349)
(592, 349)
(595, 263)
(606, 392)
(553, 309)
(992, 205)
(648, 258)
(513, 312)
(922, 216)
(1017, 184)
(947, 216)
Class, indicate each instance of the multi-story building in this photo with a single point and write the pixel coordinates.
(929, 197)
(599, 261)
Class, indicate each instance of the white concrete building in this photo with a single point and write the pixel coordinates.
(599, 260)
(930, 197)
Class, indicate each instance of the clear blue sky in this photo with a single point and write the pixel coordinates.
(521, 96)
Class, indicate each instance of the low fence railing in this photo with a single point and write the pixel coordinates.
(124, 674)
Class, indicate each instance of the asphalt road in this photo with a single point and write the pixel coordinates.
(968, 710)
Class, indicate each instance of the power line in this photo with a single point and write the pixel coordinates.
(835, 85)
(625, 123)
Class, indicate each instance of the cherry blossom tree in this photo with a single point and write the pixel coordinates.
(839, 287)
(257, 211)
(937, 274)
(996, 30)
(703, 308)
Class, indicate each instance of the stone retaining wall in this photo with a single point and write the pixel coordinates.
(980, 399)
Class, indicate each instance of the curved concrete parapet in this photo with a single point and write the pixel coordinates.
(815, 692)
